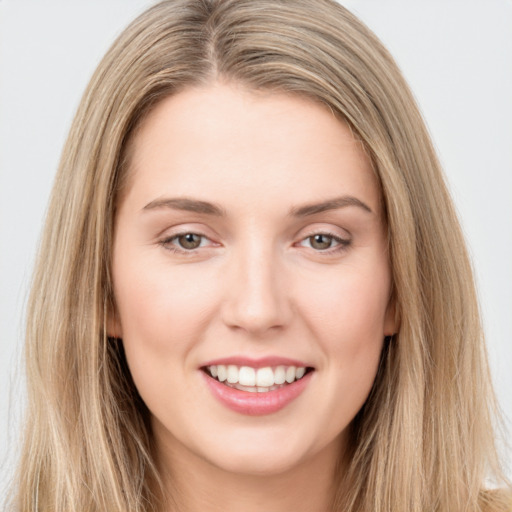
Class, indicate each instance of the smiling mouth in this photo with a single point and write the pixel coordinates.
(256, 380)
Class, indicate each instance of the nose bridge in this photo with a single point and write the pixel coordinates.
(256, 298)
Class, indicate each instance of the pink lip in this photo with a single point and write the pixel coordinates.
(256, 404)
(257, 363)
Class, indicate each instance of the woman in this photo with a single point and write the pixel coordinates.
(253, 290)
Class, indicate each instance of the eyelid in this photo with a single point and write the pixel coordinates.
(343, 242)
(324, 229)
(166, 241)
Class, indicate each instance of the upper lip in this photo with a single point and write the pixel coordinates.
(260, 362)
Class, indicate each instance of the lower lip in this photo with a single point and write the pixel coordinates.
(256, 404)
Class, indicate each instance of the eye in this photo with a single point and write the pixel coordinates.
(325, 242)
(189, 241)
(184, 242)
(321, 241)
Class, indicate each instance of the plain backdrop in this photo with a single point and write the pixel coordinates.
(456, 55)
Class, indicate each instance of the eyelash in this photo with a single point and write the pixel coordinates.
(343, 244)
(166, 243)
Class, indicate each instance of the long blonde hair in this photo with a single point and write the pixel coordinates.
(424, 439)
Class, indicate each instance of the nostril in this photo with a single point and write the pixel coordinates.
(257, 303)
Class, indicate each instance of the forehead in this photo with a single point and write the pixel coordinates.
(225, 140)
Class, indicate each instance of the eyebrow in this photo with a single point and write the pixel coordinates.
(330, 204)
(207, 208)
(187, 204)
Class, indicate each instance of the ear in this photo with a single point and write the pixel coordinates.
(391, 318)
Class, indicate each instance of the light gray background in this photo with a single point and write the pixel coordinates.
(456, 55)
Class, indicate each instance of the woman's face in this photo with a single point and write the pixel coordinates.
(250, 242)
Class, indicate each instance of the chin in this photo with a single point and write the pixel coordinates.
(260, 465)
(261, 455)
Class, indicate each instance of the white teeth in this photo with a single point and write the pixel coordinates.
(222, 373)
(280, 375)
(247, 376)
(252, 379)
(265, 377)
(251, 389)
(232, 374)
(290, 374)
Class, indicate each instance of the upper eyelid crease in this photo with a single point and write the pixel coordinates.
(342, 242)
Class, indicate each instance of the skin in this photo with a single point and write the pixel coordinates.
(258, 285)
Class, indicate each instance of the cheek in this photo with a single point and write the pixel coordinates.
(346, 313)
(349, 306)
(159, 306)
(162, 313)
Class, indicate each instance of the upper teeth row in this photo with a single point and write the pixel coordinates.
(261, 377)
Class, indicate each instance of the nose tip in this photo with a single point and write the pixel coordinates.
(257, 300)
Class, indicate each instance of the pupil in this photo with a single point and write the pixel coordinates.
(321, 242)
(190, 241)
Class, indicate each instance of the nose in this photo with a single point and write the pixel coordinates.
(257, 300)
